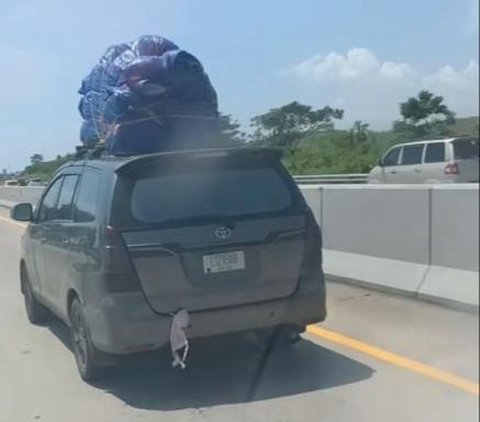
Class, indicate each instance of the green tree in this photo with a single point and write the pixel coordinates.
(36, 158)
(359, 132)
(45, 170)
(424, 116)
(287, 125)
(230, 130)
(333, 153)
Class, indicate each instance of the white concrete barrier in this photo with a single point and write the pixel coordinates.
(418, 239)
(313, 195)
(377, 236)
(6, 204)
(21, 193)
(454, 265)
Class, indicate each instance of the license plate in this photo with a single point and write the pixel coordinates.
(221, 262)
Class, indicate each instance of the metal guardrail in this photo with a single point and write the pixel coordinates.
(331, 178)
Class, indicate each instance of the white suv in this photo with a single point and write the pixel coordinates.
(453, 160)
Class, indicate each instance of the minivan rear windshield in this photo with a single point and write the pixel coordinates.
(204, 193)
(465, 148)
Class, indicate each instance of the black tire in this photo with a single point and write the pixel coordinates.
(83, 349)
(36, 313)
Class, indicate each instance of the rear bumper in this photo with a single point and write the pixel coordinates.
(125, 323)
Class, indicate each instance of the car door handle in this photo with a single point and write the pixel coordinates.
(393, 171)
(418, 170)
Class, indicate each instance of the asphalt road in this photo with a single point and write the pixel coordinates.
(377, 358)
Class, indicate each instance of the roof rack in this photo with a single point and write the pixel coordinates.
(83, 152)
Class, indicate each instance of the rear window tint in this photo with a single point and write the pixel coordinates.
(465, 148)
(228, 193)
(435, 153)
(204, 194)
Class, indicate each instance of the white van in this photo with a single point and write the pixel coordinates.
(11, 183)
(35, 182)
(453, 160)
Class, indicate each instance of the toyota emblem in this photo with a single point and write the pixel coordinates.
(223, 232)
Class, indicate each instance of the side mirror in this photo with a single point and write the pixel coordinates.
(380, 163)
(22, 212)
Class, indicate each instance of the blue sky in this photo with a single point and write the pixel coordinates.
(363, 56)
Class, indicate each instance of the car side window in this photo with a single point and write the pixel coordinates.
(64, 207)
(464, 149)
(87, 198)
(435, 153)
(391, 158)
(412, 154)
(47, 208)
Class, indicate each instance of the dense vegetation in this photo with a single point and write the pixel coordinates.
(346, 151)
(312, 144)
(43, 170)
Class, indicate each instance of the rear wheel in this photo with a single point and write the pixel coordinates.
(36, 312)
(83, 349)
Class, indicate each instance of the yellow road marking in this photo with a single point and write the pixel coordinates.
(15, 223)
(395, 359)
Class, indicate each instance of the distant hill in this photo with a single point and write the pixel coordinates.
(465, 126)
(44, 170)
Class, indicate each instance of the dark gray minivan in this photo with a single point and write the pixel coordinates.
(116, 246)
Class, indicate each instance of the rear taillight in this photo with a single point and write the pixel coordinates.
(117, 267)
(311, 280)
(451, 168)
(312, 257)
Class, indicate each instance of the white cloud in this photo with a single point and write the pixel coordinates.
(395, 70)
(356, 63)
(459, 87)
(461, 80)
(371, 89)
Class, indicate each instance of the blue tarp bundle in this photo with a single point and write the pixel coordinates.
(147, 96)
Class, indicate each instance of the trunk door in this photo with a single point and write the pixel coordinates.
(465, 152)
(212, 232)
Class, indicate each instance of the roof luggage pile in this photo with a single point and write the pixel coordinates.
(147, 96)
